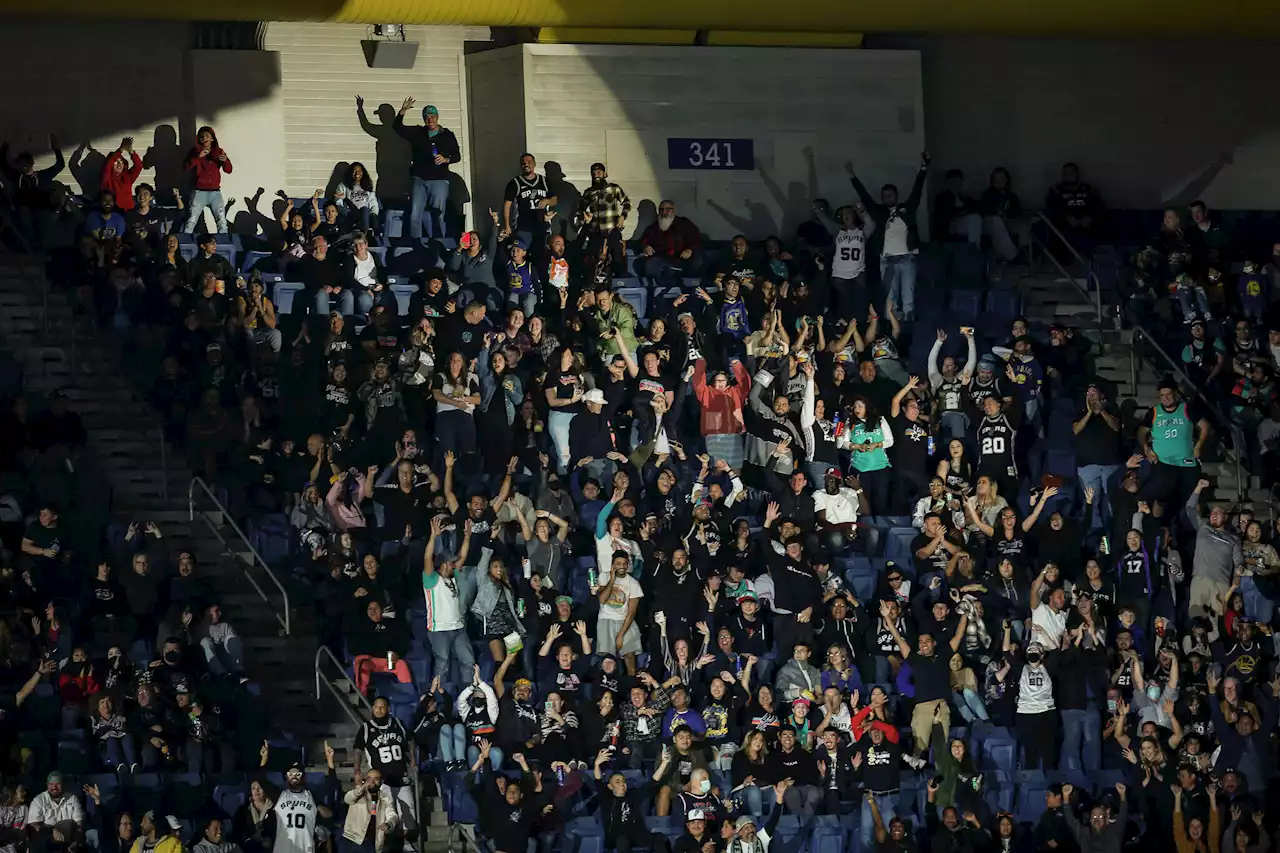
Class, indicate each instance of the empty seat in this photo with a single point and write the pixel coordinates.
(897, 546)
(403, 293)
(1004, 304)
(250, 258)
(966, 305)
(285, 291)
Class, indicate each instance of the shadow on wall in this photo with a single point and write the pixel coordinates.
(391, 166)
(796, 205)
(164, 159)
(568, 197)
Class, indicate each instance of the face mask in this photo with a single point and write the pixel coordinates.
(1033, 658)
(704, 786)
(1111, 705)
(1153, 692)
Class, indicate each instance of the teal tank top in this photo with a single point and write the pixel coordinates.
(1173, 436)
(872, 460)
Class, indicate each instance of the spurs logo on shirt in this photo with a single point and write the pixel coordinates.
(878, 757)
(850, 258)
(295, 823)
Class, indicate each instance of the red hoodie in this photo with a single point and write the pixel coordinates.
(121, 184)
(208, 169)
(721, 410)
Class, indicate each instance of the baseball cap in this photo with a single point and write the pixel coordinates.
(988, 362)
(695, 814)
(749, 595)
(430, 110)
(54, 776)
(523, 682)
(563, 599)
(833, 472)
(595, 395)
(745, 820)
(599, 166)
(521, 243)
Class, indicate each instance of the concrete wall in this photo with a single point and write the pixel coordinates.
(1148, 121)
(322, 69)
(619, 105)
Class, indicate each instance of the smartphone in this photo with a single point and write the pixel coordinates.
(966, 330)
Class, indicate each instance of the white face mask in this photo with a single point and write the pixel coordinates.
(704, 786)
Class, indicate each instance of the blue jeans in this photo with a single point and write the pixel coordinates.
(955, 425)
(970, 705)
(887, 804)
(453, 742)
(495, 756)
(1097, 477)
(899, 275)
(755, 802)
(119, 750)
(1081, 741)
(558, 425)
(346, 301)
(200, 199)
(527, 302)
(366, 299)
(1190, 298)
(447, 646)
(429, 197)
(1256, 605)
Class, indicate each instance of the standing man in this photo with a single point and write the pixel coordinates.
(383, 747)
(1097, 447)
(897, 236)
(602, 213)
(524, 207)
(296, 809)
(1218, 556)
(208, 161)
(1169, 441)
(434, 148)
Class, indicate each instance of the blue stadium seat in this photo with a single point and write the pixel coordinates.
(1030, 800)
(897, 547)
(229, 797)
(403, 293)
(284, 294)
(863, 584)
(250, 258)
(1003, 305)
(633, 292)
(1000, 755)
(1060, 462)
(966, 305)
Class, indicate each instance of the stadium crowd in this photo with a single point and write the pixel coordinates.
(689, 572)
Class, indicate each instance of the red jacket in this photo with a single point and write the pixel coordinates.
(682, 235)
(76, 689)
(122, 184)
(208, 169)
(721, 410)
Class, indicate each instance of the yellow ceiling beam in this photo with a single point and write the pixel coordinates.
(1247, 18)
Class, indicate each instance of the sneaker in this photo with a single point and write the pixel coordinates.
(133, 768)
(120, 769)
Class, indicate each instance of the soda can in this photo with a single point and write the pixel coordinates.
(1106, 545)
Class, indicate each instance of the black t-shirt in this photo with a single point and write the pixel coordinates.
(317, 275)
(42, 537)
(1017, 549)
(932, 674)
(615, 393)
(146, 226)
(565, 383)
(1097, 443)
(935, 563)
(911, 447)
(329, 231)
(480, 528)
(401, 509)
(646, 387)
(339, 404)
(387, 339)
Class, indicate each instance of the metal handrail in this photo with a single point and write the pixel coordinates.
(1090, 275)
(284, 620)
(1237, 435)
(323, 652)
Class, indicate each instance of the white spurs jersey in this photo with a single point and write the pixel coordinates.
(295, 822)
(850, 259)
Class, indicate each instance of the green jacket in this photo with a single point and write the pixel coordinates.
(621, 316)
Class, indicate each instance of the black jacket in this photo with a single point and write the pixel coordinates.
(425, 147)
(881, 214)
